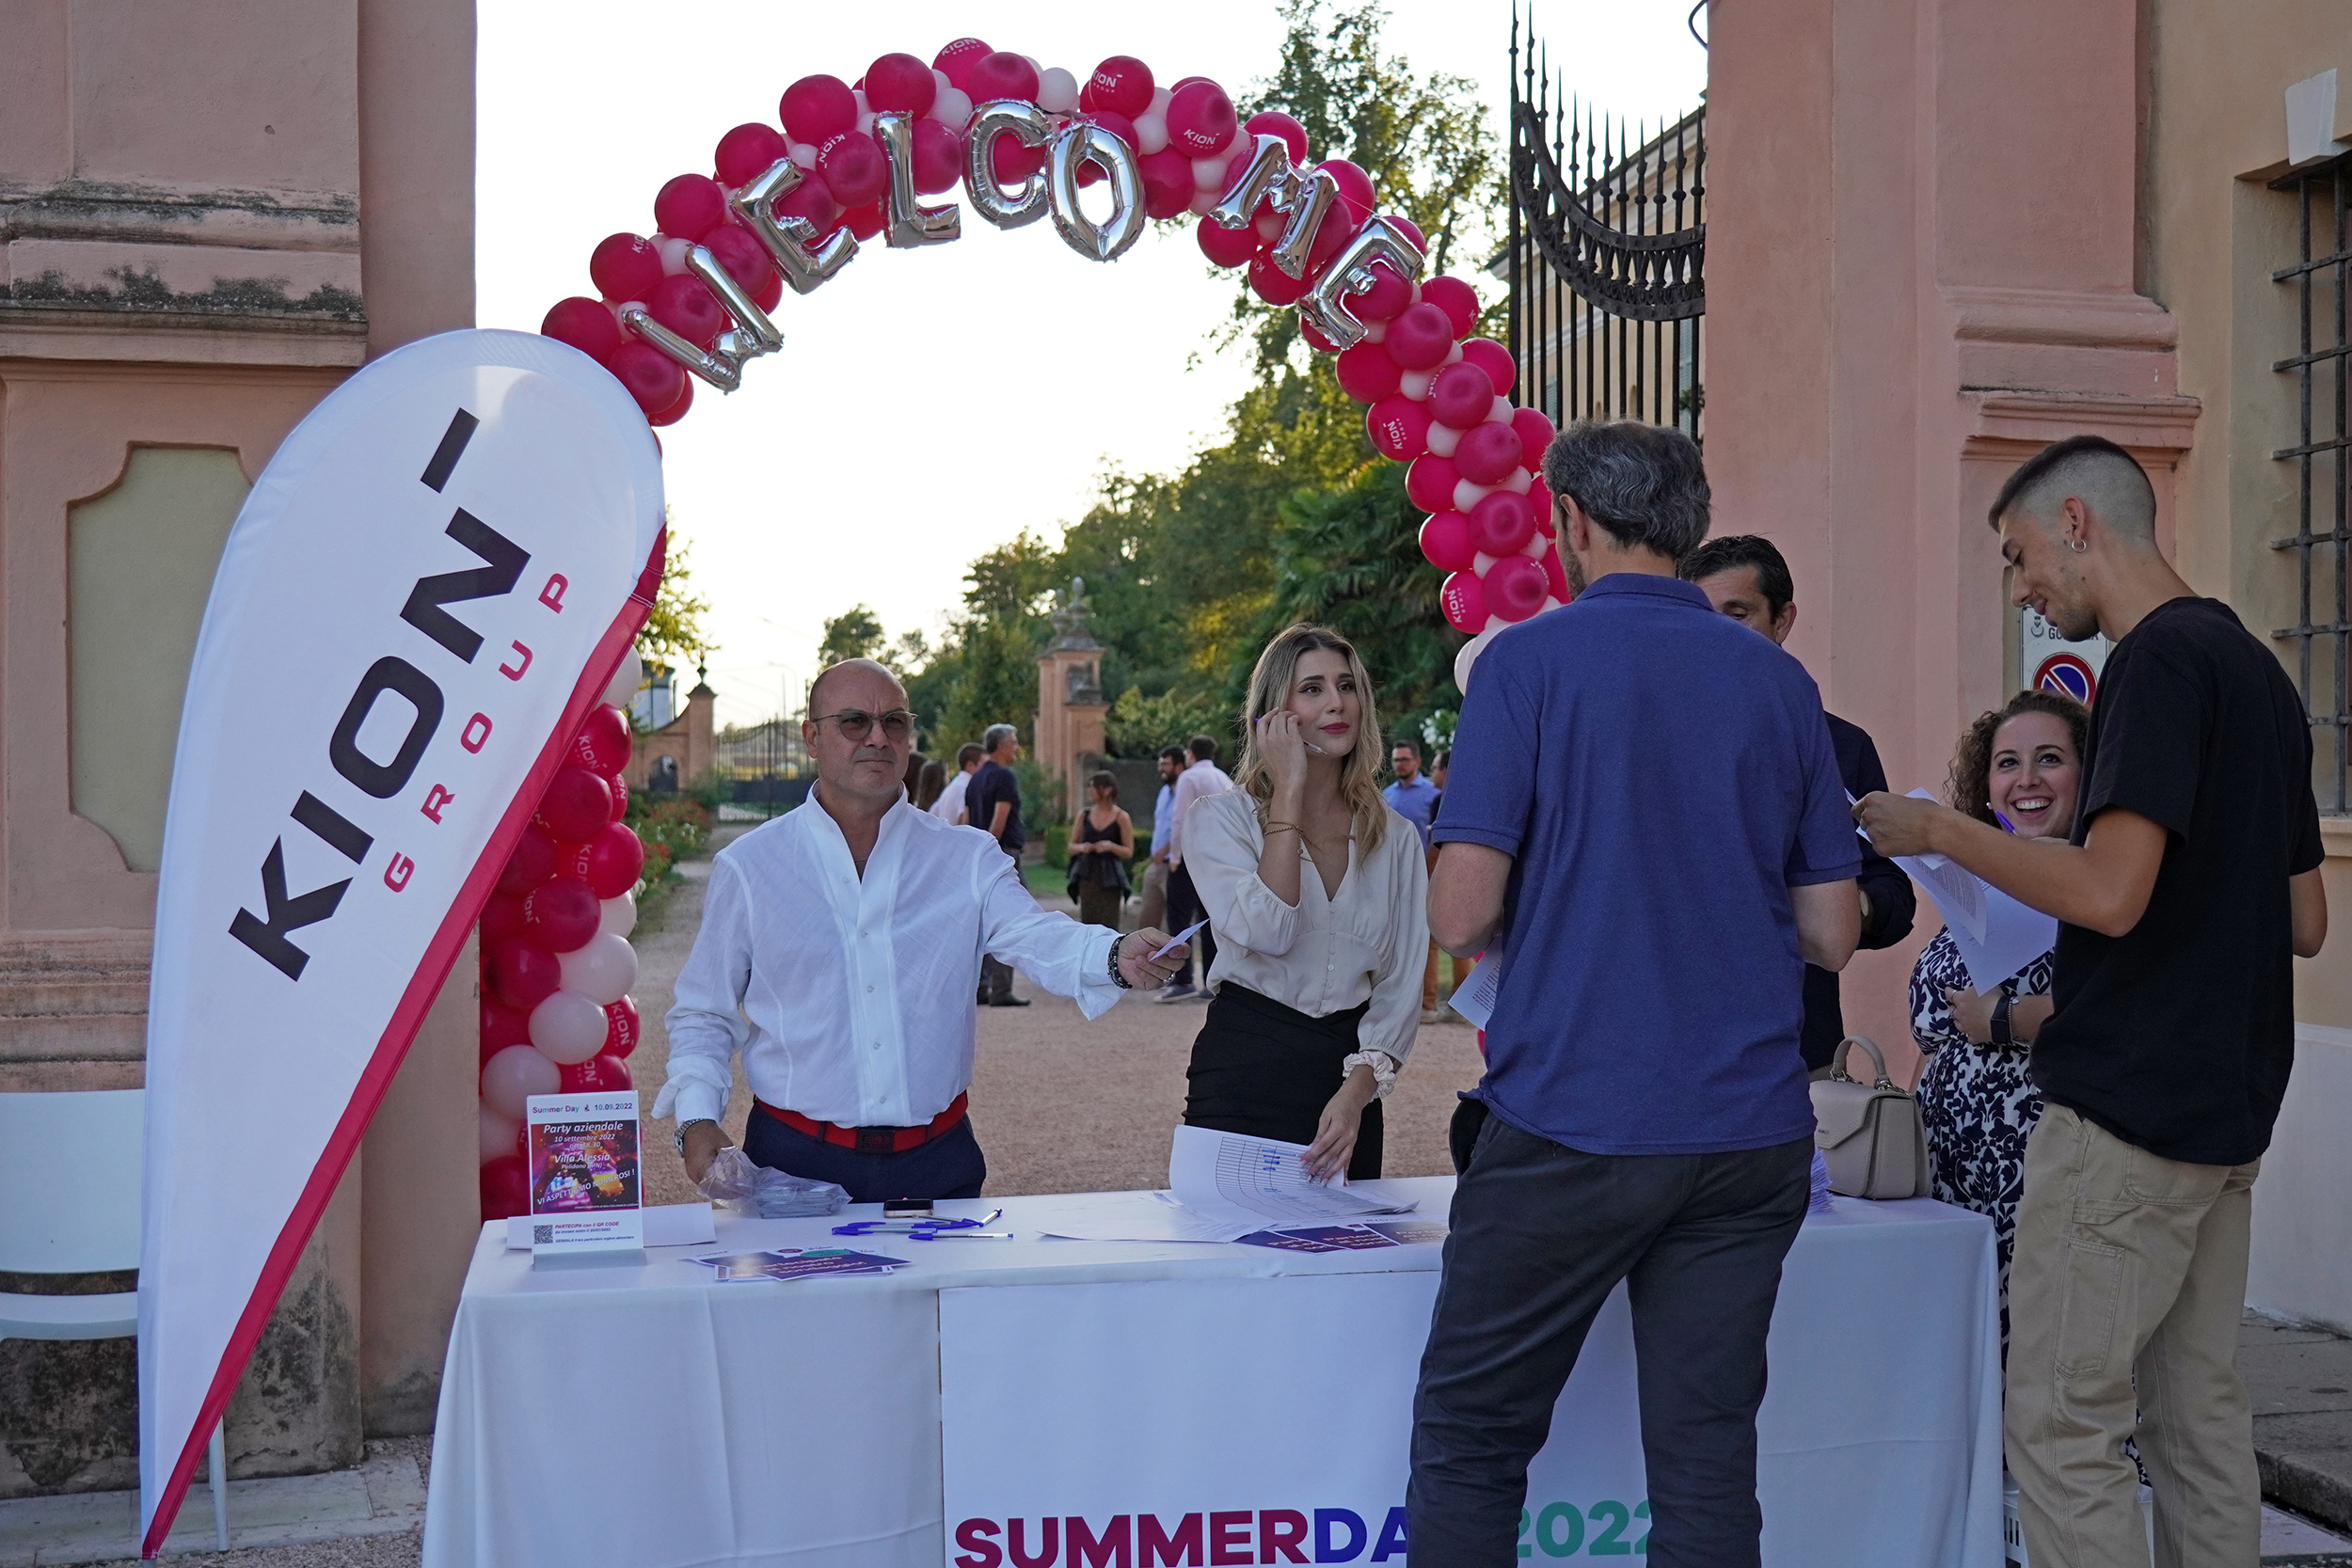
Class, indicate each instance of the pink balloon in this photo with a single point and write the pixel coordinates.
(505, 1188)
(1556, 575)
(1494, 359)
(578, 803)
(650, 377)
(499, 1133)
(1272, 284)
(625, 266)
(567, 1027)
(676, 408)
(1420, 338)
(1200, 120)
(602, 970)
(955, 61)
(809, 199)
(1539, 503)
(598, 1074)
(1499, 523)
(1003, 74)
(685, 305)
(852, 166)
(1365, 372)
(623, 1028)
(609, 860)
(1487, 452)
(1227, 247)
(1535, 433)
(938, 157)
(513, 1075)
(1429, 482)
(746, 260)
(1460, 395)
(1012, 162)
(1354, 184)
(1398, 428)
(521, 973)
(690, 206)
(1274, 123)
(1167, 183)
(1410, 229)
(1390, 293)
(534, 859)
(588, 326)
(745, 152)
(602, 745)
(1121, 84)
(900, 82)
(501, 1026)
(1315, 339)
(818, 108)
(1090, 173)
(1445, 539)
(1457, 299)
(1516, 588)
(561, 914)
(1464, 603)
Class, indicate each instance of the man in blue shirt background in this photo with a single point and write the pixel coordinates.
(1645, 827)
(1414, 798)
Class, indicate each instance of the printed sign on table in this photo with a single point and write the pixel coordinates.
(586, 1198)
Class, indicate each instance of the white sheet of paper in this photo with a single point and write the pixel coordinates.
(1996, 935)
(1229, 1177)
(1476, 1001)
(1129, 1218)
(666, 1225)
(1179, 939)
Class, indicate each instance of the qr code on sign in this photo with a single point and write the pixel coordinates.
(542, 1235)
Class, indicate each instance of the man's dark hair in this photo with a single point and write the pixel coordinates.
(1443, 759)
(2091, 467)
(1203, 747)
(1174, 754)
(968, 755)
(1405, 743)
(1644, 483)
(1735, 550)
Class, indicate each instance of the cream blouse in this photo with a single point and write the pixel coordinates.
(1327, 955)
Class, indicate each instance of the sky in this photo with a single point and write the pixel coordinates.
(928, 404)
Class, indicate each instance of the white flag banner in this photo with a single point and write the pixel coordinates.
(425, 593)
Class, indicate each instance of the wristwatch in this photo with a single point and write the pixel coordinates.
(2002, 1033)
(677, 1138)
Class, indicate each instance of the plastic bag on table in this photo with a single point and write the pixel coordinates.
(734, 1182)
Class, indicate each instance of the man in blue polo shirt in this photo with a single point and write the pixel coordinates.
(1645, 828)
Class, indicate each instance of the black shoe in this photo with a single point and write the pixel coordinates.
(1010, 1001)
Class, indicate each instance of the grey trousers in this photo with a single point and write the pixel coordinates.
(1541, 1234)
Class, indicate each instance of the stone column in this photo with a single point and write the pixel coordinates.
(1070, 706)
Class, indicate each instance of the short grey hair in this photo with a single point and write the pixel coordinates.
(995, 735)
(1644, 483)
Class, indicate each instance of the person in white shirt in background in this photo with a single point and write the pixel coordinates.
(1203, 778)
(949, 806)
(1319, 893)
(839, 949)
(1155, 911)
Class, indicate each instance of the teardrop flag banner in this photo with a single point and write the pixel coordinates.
(427, 591)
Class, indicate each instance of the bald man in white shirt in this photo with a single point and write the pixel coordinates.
(839, 950)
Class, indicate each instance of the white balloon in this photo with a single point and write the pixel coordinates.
(1453, 356)
(1443, 439)
(1415, 384)
(622, 689)
(857, 96)
(1481, 565)
(803, 154)
(568, 1028)
(1161, 99)
(672, 253)
(1376, 331)
(513, 1075)
(1203, 203)
(941, 77)
(1057, 90)
(1469, 655)
(603, 971)
(1208, 174)
(866, 122)
(1467, 495)
(1499, 412)
(1518, 480)
(620, 916)
(953, 107)
(499, 1133)
(1151, 131)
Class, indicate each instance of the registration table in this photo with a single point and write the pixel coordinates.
(1031, 1402)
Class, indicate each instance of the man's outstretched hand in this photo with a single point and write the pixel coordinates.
(1144, 972)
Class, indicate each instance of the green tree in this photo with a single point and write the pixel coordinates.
(853, 634)
(674, 629)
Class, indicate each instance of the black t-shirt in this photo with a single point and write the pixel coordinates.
(992, 783)
(2178, 1036)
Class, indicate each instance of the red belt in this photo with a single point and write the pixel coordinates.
(871, 1140)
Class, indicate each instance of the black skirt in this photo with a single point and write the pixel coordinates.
(1267, 1069)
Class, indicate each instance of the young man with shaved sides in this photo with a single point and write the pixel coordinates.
(2192, 884)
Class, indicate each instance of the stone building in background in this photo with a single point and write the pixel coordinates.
(209, 217)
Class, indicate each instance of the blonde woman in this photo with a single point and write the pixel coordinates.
(1317, 893)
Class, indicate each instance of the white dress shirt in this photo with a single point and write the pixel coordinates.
(1327, 953)
(850, 997)
(950, 803)
(1200, 779)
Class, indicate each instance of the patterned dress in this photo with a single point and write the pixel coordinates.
(1975, 1101)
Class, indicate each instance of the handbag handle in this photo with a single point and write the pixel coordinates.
(1838, 1062)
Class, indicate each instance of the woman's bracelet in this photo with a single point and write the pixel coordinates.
(1117, 978)
(1272, 827)
(1383, 1070)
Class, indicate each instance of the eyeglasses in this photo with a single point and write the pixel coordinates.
(856, 723)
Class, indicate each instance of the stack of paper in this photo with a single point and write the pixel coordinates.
(1222, 1186)
(793, 1263)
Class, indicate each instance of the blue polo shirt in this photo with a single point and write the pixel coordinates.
(1416, 800)
(1662, 776)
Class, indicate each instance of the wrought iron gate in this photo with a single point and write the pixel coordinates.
(1605, 266)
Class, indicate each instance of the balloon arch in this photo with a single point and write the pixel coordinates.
(791, 208)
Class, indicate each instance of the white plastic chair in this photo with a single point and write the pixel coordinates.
(70, 1165)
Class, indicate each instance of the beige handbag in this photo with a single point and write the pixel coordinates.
(1870, 1135)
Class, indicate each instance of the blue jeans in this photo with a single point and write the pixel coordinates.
(950, 1166)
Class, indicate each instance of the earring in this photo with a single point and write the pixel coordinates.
(2076, 546)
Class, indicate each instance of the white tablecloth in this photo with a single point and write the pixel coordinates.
(646, 1416)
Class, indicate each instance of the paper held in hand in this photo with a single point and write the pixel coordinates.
(1996, 935)
(586, 1201)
